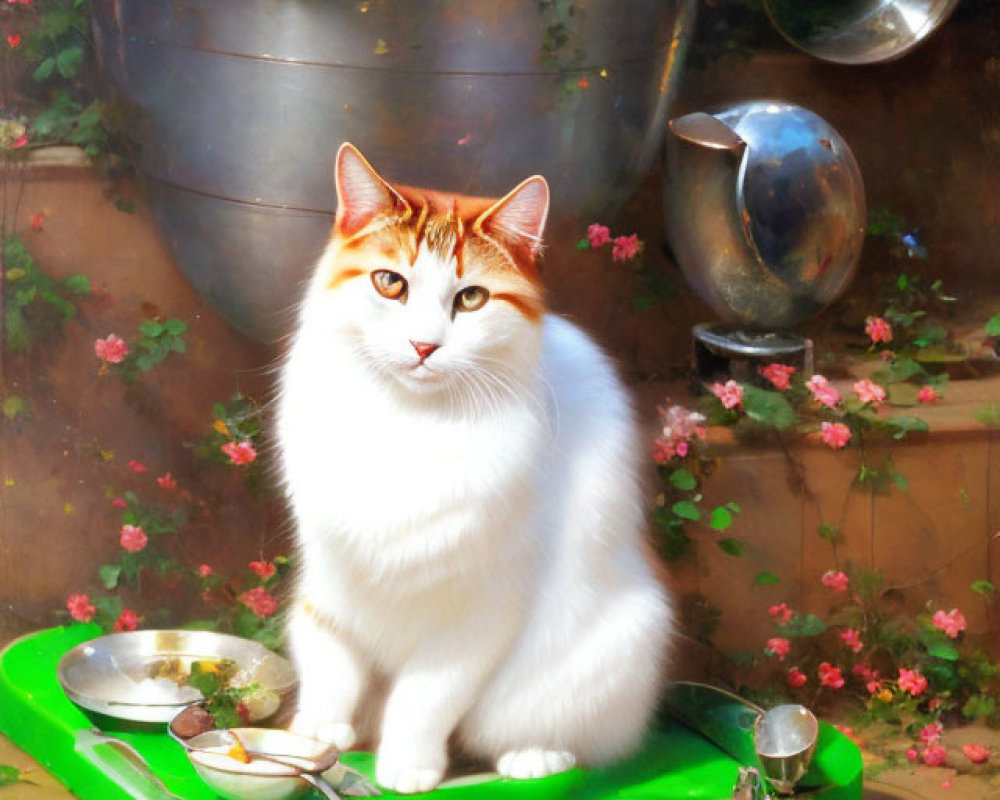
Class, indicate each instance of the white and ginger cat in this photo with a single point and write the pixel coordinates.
(464, 472)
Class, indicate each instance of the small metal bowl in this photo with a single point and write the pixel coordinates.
(115, 675)
(260, 779)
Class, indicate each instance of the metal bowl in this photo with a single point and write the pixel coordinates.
(260, 779)
(115, 675)
(858, 31)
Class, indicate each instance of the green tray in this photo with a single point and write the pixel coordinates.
(35, 714)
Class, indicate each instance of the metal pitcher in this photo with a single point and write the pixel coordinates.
(765, 211)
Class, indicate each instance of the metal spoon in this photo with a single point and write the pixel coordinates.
(211, 741)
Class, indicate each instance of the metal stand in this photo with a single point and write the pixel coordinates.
(726, 351)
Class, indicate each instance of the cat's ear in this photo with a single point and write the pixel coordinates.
(362, 194)
(519, 218)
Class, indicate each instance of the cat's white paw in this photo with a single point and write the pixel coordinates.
(407, 770)
(340, 734)
(534, 763)
(409, 781)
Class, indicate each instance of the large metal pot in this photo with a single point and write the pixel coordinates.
(246, 101)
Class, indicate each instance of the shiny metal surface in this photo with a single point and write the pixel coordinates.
(765, 211)
(245, 102)
(106, 674)
(785, 737)
(858, 31)
(262, 778)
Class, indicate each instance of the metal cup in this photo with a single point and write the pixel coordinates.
(785, 739)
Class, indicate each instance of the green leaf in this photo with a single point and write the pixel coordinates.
(767, 407)
(829, 532)
(69, 61)
(9, 775)
(807, 625)
(734, 507)
(733, 547)
(583, 244)
(930, 334)
(988, 415)
(685, 509)
(14, 406)
(178, 345)
(765, 579)
(905, 424)
(979, 706)
(174, 326)
(151, 328)
(720, 519)
(943, 650)
(992, 326)
(900, 480)
(44, 70)
(77, 284)
(683, 479)
(109, 574)
(984, 588)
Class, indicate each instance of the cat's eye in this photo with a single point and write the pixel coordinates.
(389, 284)
(471, 298)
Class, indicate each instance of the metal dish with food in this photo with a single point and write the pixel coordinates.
(141, 675)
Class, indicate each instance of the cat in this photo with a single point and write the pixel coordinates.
(463, 469)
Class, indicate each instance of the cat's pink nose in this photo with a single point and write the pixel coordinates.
(424, 349)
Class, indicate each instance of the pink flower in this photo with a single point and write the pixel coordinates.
(873, 686)
(204, 570)
(778, 647)
(263, 569)
(878, 329)
(864, 672)
(869, 391)
(931, 734)
(240, 453)
(976, 753)
(167, 482)
(781, 612)
(136, 467)
(852, 640)
(952, 623)
(830, 676)
(927, 394)
(20, 141)
(837, 581)
(128, 620)
(912, 681)
(912, 754)
(14, 40)
(730, 394)
(679, 426)
(119, 503)
(778, 374)
(624, 248)
(132, 538)
(835, 434)
(80, 608)
(112, 349)
(260, 601)
(796, 678)
(598, 235)
(37, 221)
(935, 756)
(823, 391)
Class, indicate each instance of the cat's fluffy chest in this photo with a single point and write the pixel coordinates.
(376, 469)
